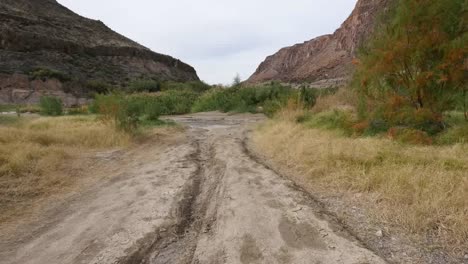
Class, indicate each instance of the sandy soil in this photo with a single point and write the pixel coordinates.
(200, 199)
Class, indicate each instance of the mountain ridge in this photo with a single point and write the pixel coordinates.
(325, 60)
(45, 34)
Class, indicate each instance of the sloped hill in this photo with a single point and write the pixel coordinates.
(42, 34)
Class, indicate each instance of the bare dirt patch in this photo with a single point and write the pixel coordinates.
(198, 199)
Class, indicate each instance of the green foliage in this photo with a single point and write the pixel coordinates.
(117, 109)
(7, 107)
(194, 86)
(144, 86)
(413, 70)
(130, 111)
(77, 110)
(99, 87)
(236, 80)
(410, 136)
(453, 135)
(308, 96)
(270, 98)
(44, 74)
(331, 120)
(8, 119)
(51, 106)
(457, 129)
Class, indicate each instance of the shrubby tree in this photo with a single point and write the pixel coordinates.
(414, 68)
(237, 80)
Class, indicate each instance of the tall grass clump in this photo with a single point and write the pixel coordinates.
(118, 110)
(34, 154)
(51, 106)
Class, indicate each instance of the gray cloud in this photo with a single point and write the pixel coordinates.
(219, 38)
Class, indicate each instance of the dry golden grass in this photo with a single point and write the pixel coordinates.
(423, 189)
(344, 98)
(34, 150)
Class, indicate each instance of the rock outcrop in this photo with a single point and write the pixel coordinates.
(326, 60)
(42, 34)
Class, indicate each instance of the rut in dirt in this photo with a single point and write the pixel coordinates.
(202, 198)
(236, 210)
(177, 243)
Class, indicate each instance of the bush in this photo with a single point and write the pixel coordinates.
(128, 111)
(142, 86)
(332, 120)
(270, 98)
(194, 86)
(83, 110)
(453, 135)
(44, 74)
(51, 106)
(99, 87)
(410, 135)
(117, 109)
(412, 69)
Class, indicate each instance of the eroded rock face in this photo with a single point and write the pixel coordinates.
(44, 34)
(327, 59)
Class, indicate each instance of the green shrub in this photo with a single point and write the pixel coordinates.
(33, 109)
(8, 119)
(99, 87)
(44, 74)
(308, 96)
(127, 118)
(209, 101)
(7, 107)
(83, 110)
(453, 135)
(144, 86)
(413, 69)
(245, 99)
(194, 86)
(332, 120)
(410, 136)
(51, 106)
(118, 109)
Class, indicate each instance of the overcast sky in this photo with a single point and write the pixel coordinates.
(218, 37)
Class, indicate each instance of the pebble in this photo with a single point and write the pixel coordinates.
(379, 233)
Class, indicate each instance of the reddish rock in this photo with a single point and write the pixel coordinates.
(327, 59)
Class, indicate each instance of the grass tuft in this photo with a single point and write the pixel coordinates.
(35, 149)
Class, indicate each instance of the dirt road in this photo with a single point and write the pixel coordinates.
(200, 199)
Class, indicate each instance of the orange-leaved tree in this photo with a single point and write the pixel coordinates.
(414, 67)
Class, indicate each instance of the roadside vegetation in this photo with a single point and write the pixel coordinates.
(35, 152)
(421, 189)
(399, 135)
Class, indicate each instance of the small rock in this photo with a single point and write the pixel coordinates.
(379, 233)
(297, 209)
(466, 256)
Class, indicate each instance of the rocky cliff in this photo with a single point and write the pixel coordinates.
(43, 36)
(326, 60)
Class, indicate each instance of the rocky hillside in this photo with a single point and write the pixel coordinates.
(326, 60)
(41, 39)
